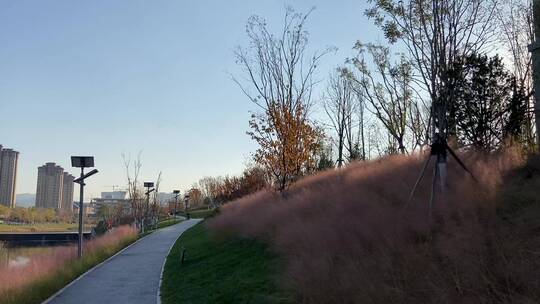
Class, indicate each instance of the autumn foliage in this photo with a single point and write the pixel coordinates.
(287, 142)
(280, 81)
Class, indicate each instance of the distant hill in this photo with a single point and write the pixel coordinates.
(25, 200)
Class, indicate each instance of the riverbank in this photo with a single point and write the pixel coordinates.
(45, 227)
(132, 276)
(42, 272)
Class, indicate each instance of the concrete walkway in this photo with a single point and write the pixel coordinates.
(132, 276)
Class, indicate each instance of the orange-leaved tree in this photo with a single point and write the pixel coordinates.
(287, 144)
(281, 79)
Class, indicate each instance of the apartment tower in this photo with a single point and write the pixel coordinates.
(8, 176)
(67, 192)
(50, 186)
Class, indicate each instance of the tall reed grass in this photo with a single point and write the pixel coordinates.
(50, 269)
(347, 236)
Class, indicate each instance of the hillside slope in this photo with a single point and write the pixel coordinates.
(347, 237)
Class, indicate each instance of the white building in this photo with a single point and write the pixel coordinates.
(114, 199)
(114, 195)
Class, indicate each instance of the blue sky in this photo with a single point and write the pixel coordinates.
(104, 78)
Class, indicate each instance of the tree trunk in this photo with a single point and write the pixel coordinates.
(534, 48)
(362, 135)
(401, 147)
(340, 151)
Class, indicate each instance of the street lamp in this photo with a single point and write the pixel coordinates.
(82, 162)
(147, 185)
(176, 194)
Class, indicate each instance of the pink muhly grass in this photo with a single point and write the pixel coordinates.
(59, 262)
(347, 238)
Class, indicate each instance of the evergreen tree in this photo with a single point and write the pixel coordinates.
(487, 105)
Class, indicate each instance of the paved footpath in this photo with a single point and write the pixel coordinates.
(132, 276)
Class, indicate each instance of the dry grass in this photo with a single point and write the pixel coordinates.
(50, 269)
(347, 238)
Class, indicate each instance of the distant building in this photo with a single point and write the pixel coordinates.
(89, 209)
(8, 176)
(113, 199)
(67, 192)
(51, 187)
(114, 195)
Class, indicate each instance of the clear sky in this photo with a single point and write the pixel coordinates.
(107, 77)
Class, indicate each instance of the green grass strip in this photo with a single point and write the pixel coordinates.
(201, 213)
(220, 271)
(168, 222)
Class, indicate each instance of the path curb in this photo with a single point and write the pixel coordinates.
(56, 294)
(165, 261)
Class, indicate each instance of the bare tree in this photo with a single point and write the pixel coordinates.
(517, 33)
(361, 137)
(135, 189)
(209, 187)
(154, 208)
(435, 32)
(418, 125)
(374, 136)
(387, 89)
(339, 105)
(280, 81)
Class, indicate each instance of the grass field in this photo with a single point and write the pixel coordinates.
(220, 271)
(168, 222)
(48, 227)
(201, 213)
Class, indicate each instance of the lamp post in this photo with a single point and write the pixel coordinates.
(147, 185)
(82, 162)
(176, 194)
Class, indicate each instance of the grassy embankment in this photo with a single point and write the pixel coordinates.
(344, 237)
(46, 227)
(168, 222)
(229, 270)
(347, 238)
(199, 213)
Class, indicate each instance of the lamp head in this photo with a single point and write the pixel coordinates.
(82, 161)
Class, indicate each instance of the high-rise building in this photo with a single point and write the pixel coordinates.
(67, 192)
(50, 186)
(8, 176)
